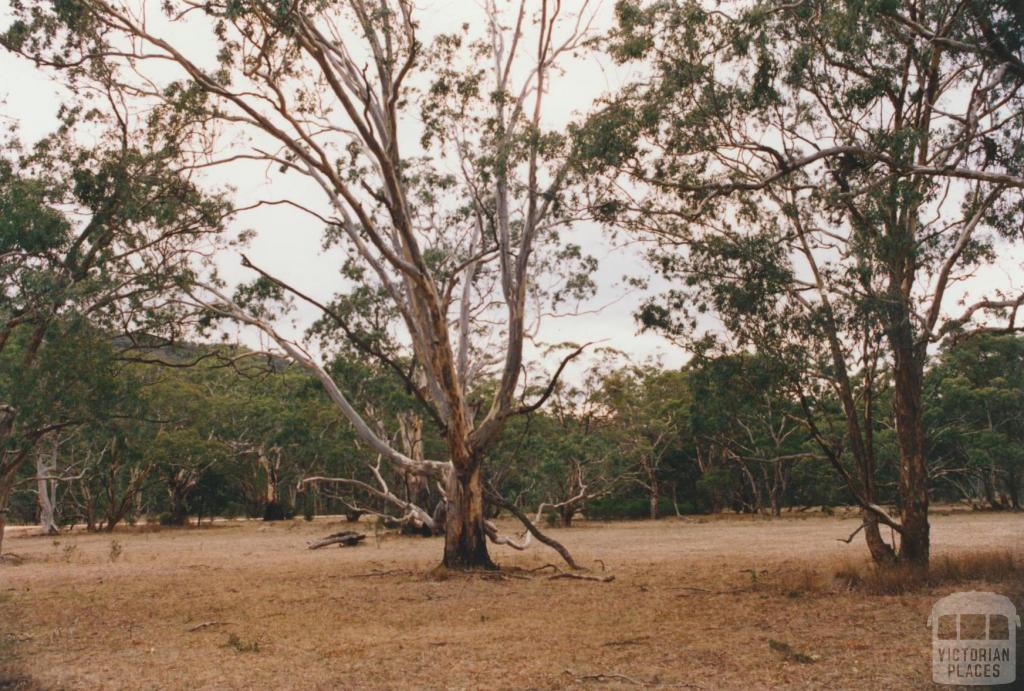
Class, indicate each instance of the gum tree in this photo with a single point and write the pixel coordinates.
(740, 416)
(975, 419)
(450, 227)
(823, 176)
(92, 240)
(648, 421)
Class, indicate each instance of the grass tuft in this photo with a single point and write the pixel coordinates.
(236, 643)
(898, 579)
(791, 653)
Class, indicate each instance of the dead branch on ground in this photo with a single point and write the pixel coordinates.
(345, 538)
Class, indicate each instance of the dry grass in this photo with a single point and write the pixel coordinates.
(994, 566)
(730, 603)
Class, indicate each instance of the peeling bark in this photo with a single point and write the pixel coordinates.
(465, 536)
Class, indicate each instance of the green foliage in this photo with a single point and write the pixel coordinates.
(95, 240)
(975, 419)
(810, 266)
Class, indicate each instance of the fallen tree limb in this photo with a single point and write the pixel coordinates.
(603, 677)
(693, 591)
(575, 576)
(639, 640)
(505, 576)
(345, 538)
(375, 574)
(582, 577)
(383, 492)
(546, 566)
(614, 677)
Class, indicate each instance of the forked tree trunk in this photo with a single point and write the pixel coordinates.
(47, 520)
(778, 486)
(46, 488)
(757, 502)
(465, 542)
(566, 514)
(272, 508)
(675, 498)
(179, 515)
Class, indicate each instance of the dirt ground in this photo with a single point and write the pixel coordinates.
(707, 604)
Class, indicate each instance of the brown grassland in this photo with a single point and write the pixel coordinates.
(732, 602)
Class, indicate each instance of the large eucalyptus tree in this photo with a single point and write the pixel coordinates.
(824, 176)
(442, 184)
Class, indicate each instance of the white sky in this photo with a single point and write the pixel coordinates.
(288, 243)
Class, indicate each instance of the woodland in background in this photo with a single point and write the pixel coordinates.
(226, 433)
(817, 178)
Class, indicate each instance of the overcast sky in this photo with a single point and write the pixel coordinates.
(289, 243)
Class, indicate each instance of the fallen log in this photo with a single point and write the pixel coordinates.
(345, 538)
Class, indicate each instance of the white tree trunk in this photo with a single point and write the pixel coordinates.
(46, 485)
